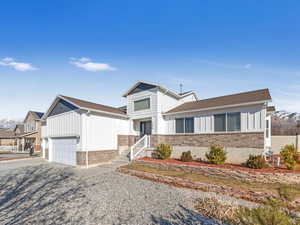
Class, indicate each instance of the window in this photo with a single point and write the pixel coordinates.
(189, 125)
(142, 104)
(185, 125)
(180, 125)
(220, 122)
(267, 128)
(234, 121)
(227, 122)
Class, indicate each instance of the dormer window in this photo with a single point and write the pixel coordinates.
(142, 104)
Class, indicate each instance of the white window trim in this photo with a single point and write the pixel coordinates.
(226, 129)
(187, 117)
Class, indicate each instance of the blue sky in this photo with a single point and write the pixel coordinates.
(95, 50)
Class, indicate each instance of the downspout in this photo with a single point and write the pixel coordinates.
(87, 151)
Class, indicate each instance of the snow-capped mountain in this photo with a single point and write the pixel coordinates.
(9, 123)
(288, 115)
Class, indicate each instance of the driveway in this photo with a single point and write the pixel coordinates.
(18, 163)
(43, 193)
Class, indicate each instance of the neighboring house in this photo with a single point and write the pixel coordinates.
(7, 139)
(29, 133)
(82, 133)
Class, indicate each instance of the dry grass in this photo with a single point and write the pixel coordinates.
(234, 183)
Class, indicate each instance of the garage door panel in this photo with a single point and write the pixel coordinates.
(64, 151)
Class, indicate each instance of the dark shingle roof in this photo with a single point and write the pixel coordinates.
(95, 106)
(37, 115)
(235, 99)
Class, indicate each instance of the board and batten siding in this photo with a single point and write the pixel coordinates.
(152, 94)
(64, 125)
(252, 120)
(101, 132)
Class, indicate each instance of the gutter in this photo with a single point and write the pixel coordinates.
(217, 107)
(104, 112)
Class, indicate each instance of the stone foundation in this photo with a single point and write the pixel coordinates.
(235, 140)
(47, 153)
(126, 141)
(95, 157)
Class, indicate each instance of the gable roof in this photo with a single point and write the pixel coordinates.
(173, 93)
(257, 96)
(93, 106)
(21, 128)
(36, 115)
(86, 105)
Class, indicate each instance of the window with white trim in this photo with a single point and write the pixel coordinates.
(184, 125)
(227, 122)
(142, 104)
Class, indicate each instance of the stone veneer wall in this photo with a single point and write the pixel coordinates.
(125, 141)
(95, 157)
(236, 140)
(237, 145)
(47, 153)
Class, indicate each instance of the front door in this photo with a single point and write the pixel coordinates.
(145, 128)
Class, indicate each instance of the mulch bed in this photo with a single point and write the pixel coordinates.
(235, 167)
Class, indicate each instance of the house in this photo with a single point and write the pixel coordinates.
(29, 132)
(82, 133)
(7, 139)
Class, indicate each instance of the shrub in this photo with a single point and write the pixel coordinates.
(290, 156)
(272, 212)
(163, 151)
(186, 157)
(216, 155)
(256, 162)
(288, 193)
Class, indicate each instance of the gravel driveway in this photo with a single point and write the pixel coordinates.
(53, 194)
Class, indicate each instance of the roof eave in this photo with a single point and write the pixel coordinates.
(218, 107)
(105, 112)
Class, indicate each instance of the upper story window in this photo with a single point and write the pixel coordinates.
(227, 122)
(30, 126)
(142, 104)
(185, 125)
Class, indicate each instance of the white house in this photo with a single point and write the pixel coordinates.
(82, 133)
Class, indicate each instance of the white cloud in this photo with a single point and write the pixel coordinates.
(87, 64)
(20, 66)
(247, 66)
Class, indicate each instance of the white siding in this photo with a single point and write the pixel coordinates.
(101, 132)
(44, 132)
(252, 119)
(62, 125)
(152, 94)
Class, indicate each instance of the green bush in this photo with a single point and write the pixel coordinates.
(186, 156)
(273, 212)
(216, 155)
(288, 193)
(163, 151)
(256, 162)
(290, 156)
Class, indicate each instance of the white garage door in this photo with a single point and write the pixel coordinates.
(64, 151)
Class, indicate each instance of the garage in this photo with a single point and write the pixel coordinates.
(64, 150)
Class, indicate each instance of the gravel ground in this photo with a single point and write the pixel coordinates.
(53, 194)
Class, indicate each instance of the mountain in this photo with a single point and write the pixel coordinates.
(285, 115)
(285, 123)
(9, 123)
